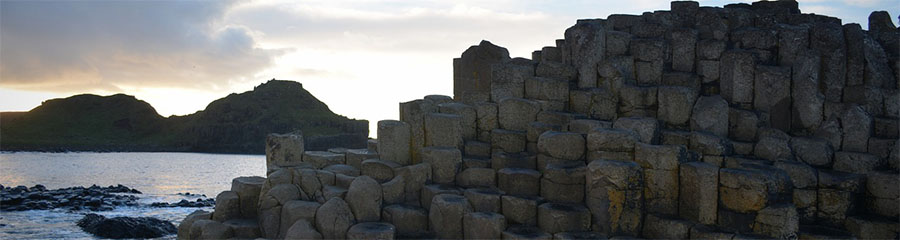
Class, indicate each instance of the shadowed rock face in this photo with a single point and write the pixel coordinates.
(125, 227)
(748, 121)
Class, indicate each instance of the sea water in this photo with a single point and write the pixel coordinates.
(160, 176)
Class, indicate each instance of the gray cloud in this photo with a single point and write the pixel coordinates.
(104, 45)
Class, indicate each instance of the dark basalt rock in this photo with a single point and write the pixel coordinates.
(200, 202)
(125, 227)
(93, 198)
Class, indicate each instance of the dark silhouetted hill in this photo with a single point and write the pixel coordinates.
(237, 123)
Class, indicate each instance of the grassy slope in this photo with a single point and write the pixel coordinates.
(237, 123)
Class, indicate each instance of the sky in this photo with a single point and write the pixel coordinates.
(360, 57)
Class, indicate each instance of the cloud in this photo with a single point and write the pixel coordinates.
(110, 45)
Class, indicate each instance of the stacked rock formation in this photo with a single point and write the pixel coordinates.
(751, 120)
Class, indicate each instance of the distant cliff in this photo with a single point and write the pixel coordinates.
(237, 123)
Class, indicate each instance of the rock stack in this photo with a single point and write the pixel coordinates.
(751, 120)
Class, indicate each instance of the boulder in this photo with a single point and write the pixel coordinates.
(356, 156)
(778, 221)
(656, 227)
(856, 126)
(520, 209)
(484, 199)
(270, 205)
(472, 72)
(334, 218)
(698, 196)
(297, 210)
(709, 144)
(560, 217)
(483, 225)
(517, 113)
(683, 46)
(248, 190)
(871, 228)
(477, 177)
(854, 162)
(380, 170)
(393, 191)
(487, 120)
(736, 83)
(414, 178)
(587, 46)
(812, 151)
(564, 145)
(321, 159)
(535, 129)
(302, 229)
(610, 139)
(467, 122)
(342, 169)
(802, 176)
(743, 190)
(443, 130)
(228, 206)
(675, 105)
(407, 220)
(647, 129)
(210, 229)
(508, 79)
(564, 182)
(446, 215)
(372, 230)
(429, 191)
(244, 228)
(364, 198)
(128, 227)
(584, 126)
(550, 89)
(525, 233)
(742, 125)
(283, 150)
(509, 140)
(393, 142)
(710, 114)
(445, 163)
(184, 228)
(519, 181)
(772, 86)
(477, 149)
(614, 196)
(500, 160)
(808, 102)
(413, 113)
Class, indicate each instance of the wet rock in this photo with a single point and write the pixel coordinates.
(125, 227)
(94, 198)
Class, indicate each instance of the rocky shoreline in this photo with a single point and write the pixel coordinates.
(93, 198)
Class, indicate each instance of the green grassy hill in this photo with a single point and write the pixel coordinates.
(237, 123)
